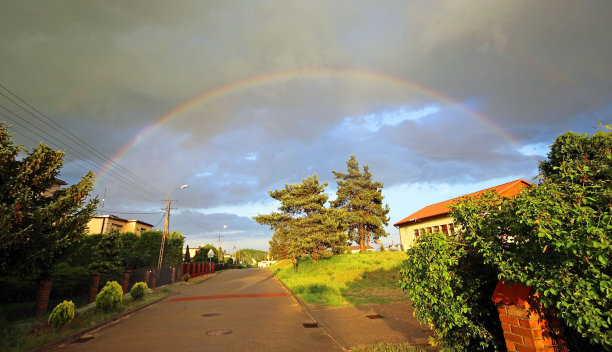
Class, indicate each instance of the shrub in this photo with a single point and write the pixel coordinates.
(139, 290)
(62, 315)
(451, 288)
(110, 297)
(186, 277)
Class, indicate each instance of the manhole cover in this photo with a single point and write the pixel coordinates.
(206, 315)
(218, 332)
(374, 316)
(311, 325)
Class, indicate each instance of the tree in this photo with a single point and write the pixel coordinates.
(201, 254)
(187, 255)
(106, 254)
(363, 200)
(555, 237)
(35, 228)
(305, 226)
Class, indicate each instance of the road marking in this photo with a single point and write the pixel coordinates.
(236, 295)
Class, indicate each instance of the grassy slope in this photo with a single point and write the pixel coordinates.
(346, 280)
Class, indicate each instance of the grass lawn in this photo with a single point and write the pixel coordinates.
(346, 280)
(26, 334)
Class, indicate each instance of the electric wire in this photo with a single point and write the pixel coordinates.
(75, 139)
(58, 144)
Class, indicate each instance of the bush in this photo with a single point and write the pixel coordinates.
(110, 297)
(139, 290)
(62, 315)
(451, 288)
(186, 277)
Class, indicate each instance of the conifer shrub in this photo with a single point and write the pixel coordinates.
(61, 315)
(110, 297)
(139, 290)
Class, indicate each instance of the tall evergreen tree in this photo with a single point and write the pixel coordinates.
(304, 225)
(36, 227)
(363, 201)
(187, 255)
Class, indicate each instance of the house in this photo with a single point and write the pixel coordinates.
(107, 223)
(436, 217)
(356, 249)
(57, 184)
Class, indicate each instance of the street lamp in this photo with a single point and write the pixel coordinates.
(220, 255)
(166, 228)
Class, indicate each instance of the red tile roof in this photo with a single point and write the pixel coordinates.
(509, 189)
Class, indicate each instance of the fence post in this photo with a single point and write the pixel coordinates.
(126, 281)
(147, 277)
(93, 289)
(153, 278)
(42, 297)
(526, 325)
(173, 277)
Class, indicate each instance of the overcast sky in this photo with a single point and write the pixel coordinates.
(235, 98)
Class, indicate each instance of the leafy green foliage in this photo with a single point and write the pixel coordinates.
(61, 315)
(35, 228)
(451, 290)
(363, 201)
(201, 254)
(305, 226)
(145, 250)
(250, 255)
(556, 237)
(139, 290)
(110, 296)
(106, 253)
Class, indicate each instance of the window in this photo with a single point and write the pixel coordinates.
(416, 233)
(445, 229)
(452, 229)
(436, 229)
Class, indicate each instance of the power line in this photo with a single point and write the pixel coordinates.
(121, 174)
(71, 136)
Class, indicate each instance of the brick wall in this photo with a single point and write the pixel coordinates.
(527, 327)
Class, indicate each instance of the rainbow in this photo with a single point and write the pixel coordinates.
(277, 77)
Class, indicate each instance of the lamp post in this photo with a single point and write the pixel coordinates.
(220, 255)
(166, 228)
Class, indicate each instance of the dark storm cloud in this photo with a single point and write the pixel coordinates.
(108, 70)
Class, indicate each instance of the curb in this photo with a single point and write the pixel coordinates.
(303, 304)
(97, 326)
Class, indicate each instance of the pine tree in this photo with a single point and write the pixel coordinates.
(187, 255)
(363, 201)
(35, 227)
(304, 225)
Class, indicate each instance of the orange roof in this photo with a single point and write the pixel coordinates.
(509, 189)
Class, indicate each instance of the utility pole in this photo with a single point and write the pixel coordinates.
(166, 229)
(164, 233)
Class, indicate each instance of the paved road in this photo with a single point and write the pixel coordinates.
(259, 312)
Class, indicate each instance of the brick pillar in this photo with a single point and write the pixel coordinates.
(42, 297)
(147, 278)
(126, 281)
(93, 289)
(153, 278)
(527, 326)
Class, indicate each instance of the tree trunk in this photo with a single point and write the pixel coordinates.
(362, 241)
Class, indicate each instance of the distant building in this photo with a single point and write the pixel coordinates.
(356, 249)
(108, 223)
(436, 217)
(57, 184)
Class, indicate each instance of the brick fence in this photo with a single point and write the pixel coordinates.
(527, 326)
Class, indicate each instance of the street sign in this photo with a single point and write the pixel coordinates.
(211, 253)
